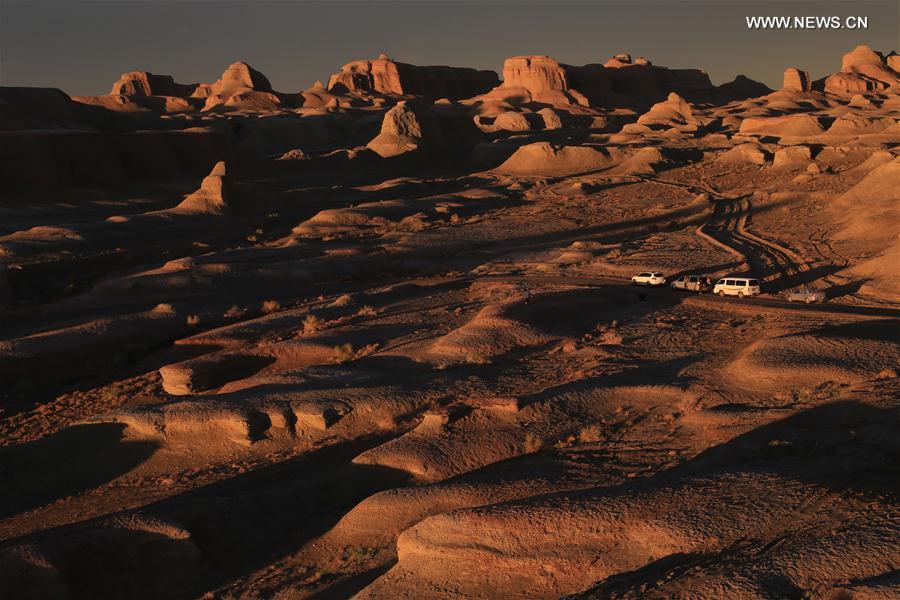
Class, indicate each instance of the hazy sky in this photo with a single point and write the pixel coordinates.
(83, 47)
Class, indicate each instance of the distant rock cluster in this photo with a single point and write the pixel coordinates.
(385, 76)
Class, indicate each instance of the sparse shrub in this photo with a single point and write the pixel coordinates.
(235, 312)
(887, 373)
(270, 306)
(455, 219)
(367, 350)
(610, 337)
(312, 324)
(343, 300)
(474, 357)
(780, 448)
(614, 253)
(358, 553)
(532, 443)
(193, 320)
(343, 353)
(803, 395)
(252, 238)
(366, 311)
(272, 215)
(590, 434)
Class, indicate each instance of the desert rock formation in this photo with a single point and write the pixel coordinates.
(385, 76)
(379, 338)
(796, 80)
(862, 70)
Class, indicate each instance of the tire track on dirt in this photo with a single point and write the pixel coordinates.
(726, 228)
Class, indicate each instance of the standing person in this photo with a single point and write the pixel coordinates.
(526, 293)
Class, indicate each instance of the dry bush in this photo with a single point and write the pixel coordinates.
(887, 373)
(343, 353)
(532, 443)
(235, 312)
(193, 320)
(270, 306)
(590, 434)
(366, 311)
(343, 300)
(312, 324)
(164, 308)
(610, 337)
(476, 358)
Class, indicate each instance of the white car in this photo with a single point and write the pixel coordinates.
(648, 278)
(737, 286)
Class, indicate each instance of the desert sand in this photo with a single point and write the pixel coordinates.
(377, 338)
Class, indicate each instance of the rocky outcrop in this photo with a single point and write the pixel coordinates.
(642, 81)
(893, 61)
(386, 76)
(242, 86)
(415, 128)
(863, 70)
(536, 74)
(673, 112)
(39, 108)
(618, 82)
(796, 80)
(407, 130)
(61, 158)
(144, 83)
(740, 88)
(216, 196)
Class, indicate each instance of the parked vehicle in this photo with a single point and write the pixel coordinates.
(805, 294)
(692, 283)
(648, 278)
(737, 286)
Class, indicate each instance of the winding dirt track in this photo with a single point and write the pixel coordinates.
(726, 228)
(773, 263)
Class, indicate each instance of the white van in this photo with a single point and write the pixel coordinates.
(737, 286)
